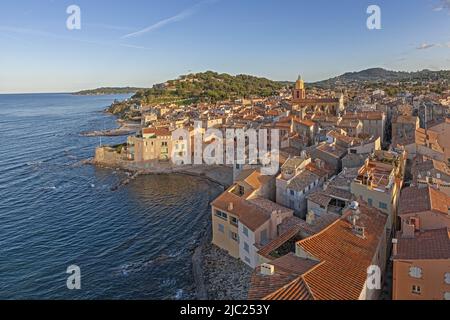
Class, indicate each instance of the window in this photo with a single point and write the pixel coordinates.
(370, 202)
(234, 221)
(264, 238)
(245, 231)
(447, 278)
(221, 228)
(234, 236)
(292, 193)
(383, 205)
(246, 247)
(247, 259)
(221, 215)
(416, 289)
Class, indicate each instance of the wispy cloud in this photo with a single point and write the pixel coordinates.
(7, 30)
(442, 5)
(425, 46)
(176, 18)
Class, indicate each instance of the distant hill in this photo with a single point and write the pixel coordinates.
(382, 75)
(107, 90)
(213, 87)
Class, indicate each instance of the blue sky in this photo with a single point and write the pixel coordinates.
(142, 42)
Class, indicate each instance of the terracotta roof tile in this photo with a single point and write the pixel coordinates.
(431, 244)
(249, 214)
(296, 290)
(345, 255)
(414, 199)
(287, 269)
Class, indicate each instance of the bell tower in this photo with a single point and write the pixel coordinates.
(299, 90)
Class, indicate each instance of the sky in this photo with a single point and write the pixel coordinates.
(143, 42)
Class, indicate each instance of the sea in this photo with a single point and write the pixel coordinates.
(56, 212)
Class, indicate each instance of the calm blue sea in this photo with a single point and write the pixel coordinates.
(134, 243)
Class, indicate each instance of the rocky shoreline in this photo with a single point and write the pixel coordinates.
(225, 278)
(125, 129)
(217, 276)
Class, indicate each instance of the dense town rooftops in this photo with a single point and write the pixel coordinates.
(292, 228)
(252, 178)
(337, 264)
(334, 150)
(309, 101)
(323, 197)
(158, 132)
(407, 119)
(368, 115)
(425, 245)
(306, 123)
(429, 139)
(379, 171)
(306, 178)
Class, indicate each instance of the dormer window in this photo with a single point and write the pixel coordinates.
(359, 231)
(241, 190)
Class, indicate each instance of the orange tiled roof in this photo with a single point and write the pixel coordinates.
(345, 256)
(287, 269)
(157, 132)
(249, 214)
(414, 199)
(279, 241)
(430, 244)
(368, 115)
(296, 290)
(307, 123)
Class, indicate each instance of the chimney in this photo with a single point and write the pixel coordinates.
(230, 206)
(394, 247)
(408, 230)
(310, 218)
(267, 269)
(319, 163)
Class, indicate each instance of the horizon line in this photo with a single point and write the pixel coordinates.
(233, 74)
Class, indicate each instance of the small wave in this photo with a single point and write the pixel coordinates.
(168, 282)
(179, 294)
(130, 268)
(34, 164)
(50, 188)
(176, 253)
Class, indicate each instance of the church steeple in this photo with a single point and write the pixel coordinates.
(299, 90)
(300, 84)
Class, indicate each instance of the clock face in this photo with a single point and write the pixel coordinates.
(447, 278)
(415, 272)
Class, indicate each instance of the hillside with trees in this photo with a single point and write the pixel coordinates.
(208, 86)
